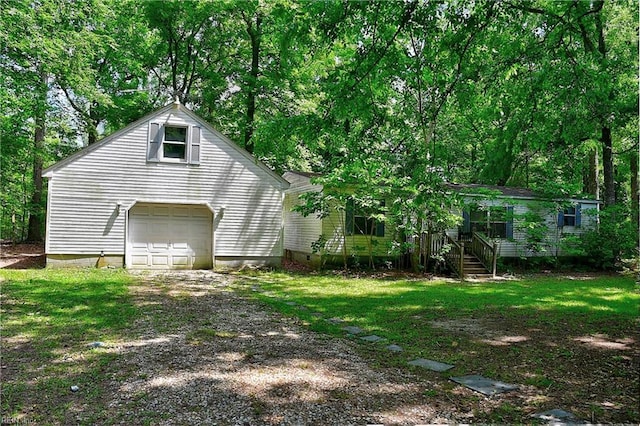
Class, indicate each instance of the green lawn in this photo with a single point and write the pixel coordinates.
(573, 340)
(48, 320)
(572, 343)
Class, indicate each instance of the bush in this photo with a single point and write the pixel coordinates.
(614, 239)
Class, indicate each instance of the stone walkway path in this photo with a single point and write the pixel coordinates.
(483, 385)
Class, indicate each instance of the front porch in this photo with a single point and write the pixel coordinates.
(472, 255)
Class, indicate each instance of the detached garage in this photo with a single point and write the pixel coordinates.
(166, 192)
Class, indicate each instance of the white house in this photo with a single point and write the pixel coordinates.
(165, 192)
(519, 222)
(344, 232)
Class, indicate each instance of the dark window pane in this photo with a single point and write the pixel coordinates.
(363, 225)
(498, 230)
(175, 134)
(570, 216)
(171, 150)
(478, 216)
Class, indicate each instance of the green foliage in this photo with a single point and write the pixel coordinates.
(396, 95)
(536, 231)
(614, 239)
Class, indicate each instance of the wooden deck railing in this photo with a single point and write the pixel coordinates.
(434, 245)
(485, 251)
(455, 256)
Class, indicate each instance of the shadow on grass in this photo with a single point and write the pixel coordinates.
(595, 299)
(571, 339)
(48, 320)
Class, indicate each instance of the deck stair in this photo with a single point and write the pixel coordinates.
(473, 268)
(473, 258)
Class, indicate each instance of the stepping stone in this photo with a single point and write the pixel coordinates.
(373, 338)
(394, 348)
(353, 329)
(431, 365)
(335, 320)
(291, 303)
(557, 416)
(483, 385)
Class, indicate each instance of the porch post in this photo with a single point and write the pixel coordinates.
(495, 259)
(462, 261)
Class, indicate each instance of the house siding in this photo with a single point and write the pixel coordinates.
(356, 245)
(301, 231)
(516, 247)
(84, 194)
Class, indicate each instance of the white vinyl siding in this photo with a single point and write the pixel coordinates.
(84, 193)
(516, 247)
(300, 231)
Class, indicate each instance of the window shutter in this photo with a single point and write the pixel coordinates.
(560, 219)
(349, 216)
(510, 222)
(155, 140)
(194, 156)
(578, 215)
(466, 222)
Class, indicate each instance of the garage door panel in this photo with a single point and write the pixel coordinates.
(161, 211)
(180, 260)
(160, 260)
(166, 237)
(199, 244)
(181, 211)
(139, 260)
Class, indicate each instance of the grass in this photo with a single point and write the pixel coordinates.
(49, 318)
(563, 336)
(572, 343)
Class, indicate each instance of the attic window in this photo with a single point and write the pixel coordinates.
(175, 143)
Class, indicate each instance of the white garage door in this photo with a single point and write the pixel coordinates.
(164, 236)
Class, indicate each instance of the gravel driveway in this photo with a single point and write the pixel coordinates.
(205, 354)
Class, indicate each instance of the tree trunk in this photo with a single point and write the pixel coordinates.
(35, 208)
(635, 189)
(254, 36)
(607, 167)
(592, 175)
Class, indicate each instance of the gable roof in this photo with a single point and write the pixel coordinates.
(474, 189)
(507, 191)
(48, 172)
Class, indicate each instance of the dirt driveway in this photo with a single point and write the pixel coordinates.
(206, 355)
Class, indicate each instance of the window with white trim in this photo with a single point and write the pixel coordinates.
(492, 221)
(174, 143)
(569, 216)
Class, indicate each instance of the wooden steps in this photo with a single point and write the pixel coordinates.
(473, 268)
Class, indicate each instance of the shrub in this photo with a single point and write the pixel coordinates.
(614, 239)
